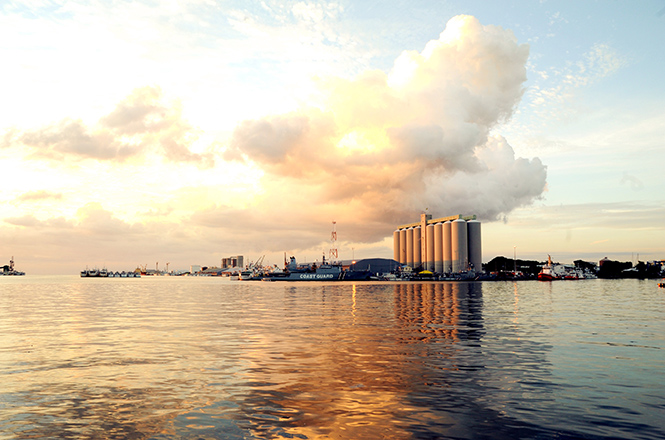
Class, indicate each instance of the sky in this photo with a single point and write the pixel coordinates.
(146, 133)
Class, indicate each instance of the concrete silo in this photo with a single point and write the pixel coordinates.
(430, 248)
(443, 245)
(460, 253)
(438, 248)
(417, 245)
(475, 245)
(402, 246)
(447, 248)
(409, 247)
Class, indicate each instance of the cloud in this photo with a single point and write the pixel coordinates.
(72, 138)
(32, 196)
(635, 183)
(633, 215)
(141, 124)
(554, 89)
(378, 149)
(30, 221)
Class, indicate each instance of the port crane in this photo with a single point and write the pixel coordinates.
(258, 263)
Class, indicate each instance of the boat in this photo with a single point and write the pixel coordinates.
(547, 273)
(90, 273)
(555, 271)
(104, 273)
(9, 270)
(357, 275)
(323, 272)
(248, 275)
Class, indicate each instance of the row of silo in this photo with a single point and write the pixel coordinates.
(449, 246)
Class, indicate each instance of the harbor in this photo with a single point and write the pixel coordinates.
(104, 273)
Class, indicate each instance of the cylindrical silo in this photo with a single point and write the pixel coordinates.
(438, 248)
(409, 247)
(475, 245)
(402, 246)
(430, 248)
(417, 257)
(396, 245)
(459, 245)
(447, 248)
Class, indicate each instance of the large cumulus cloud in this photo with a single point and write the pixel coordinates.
(382, 147)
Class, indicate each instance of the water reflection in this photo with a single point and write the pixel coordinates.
(371, 370)
(440, 312)
(174, 359)
(342, 378)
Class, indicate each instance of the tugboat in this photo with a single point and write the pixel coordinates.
(8, 270)
(554, 271)
(547, 272)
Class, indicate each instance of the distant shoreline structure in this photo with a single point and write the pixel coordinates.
(8, 269)
(104, 273)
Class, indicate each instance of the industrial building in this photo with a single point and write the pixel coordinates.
(235, 261)
(444, 245)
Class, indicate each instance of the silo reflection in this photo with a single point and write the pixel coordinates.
(440, 311)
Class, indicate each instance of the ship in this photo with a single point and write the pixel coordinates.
(9, 270)
(554, 271)
(322, 272)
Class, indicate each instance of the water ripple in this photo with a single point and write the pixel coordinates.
(212, 359)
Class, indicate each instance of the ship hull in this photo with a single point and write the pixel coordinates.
(306, 276)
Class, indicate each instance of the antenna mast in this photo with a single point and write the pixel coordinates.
(333, 242)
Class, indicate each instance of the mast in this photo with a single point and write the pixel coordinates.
(333, 242)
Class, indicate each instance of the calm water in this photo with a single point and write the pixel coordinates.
(208, 358)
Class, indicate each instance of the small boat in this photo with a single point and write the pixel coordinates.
(104, 273)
